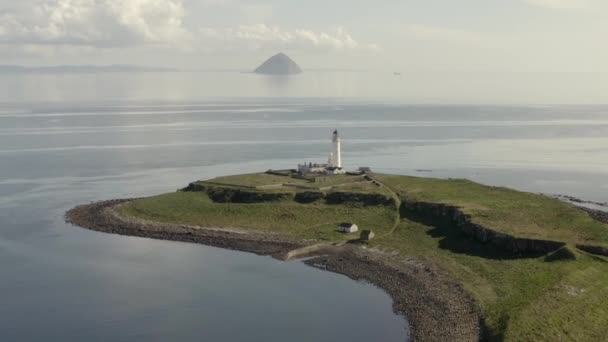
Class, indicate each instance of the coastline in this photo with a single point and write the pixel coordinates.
(437, 307)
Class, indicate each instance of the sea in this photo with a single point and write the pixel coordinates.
(68, 139)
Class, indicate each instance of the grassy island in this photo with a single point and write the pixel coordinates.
(535, 266)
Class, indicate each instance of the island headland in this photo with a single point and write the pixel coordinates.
(462, 261)
(279, 64)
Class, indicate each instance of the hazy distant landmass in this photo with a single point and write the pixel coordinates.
(279, 64)
(19, 69)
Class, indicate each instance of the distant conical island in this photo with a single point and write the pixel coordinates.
(279, 64)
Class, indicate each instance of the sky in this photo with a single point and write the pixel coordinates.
(400, 35)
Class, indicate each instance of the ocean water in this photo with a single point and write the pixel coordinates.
(66, 140)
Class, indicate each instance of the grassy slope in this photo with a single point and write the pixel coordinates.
(517, 213)
(334, 183)
(524, 299)
(258, 179)
(317, 221)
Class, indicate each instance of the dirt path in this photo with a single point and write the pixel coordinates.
(395, 198)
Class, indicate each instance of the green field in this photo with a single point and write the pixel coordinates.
(300, 221)
(255, 179)
(522, 298)
(271, 182)
(516, 213)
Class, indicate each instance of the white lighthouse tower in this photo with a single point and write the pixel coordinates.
(335, 157)
(334, 163)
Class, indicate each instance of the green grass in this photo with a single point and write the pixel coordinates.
(517, 213)
(522, 298)
(272, 183)
(262, 179)
(337, 180)
(365, 187)
(256, 179)
(307, 221)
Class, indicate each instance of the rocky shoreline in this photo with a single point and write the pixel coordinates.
(437, 307)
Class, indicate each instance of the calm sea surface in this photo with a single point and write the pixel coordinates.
(72, 139)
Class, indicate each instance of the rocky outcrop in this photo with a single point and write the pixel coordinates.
(562, 254)
(437, 308)
(340, 197)
(228, 195)
(598, 215)
(235, 195)
(599, 250)
(309, 196)
(455, 217)
(193, 187)
(222, 194)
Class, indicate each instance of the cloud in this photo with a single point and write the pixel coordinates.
(264, 37)
(103, 23)
(69, 24)
(437, 33)
(558, 4)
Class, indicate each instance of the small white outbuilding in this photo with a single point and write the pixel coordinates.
(346, 227)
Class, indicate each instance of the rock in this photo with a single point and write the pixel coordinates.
(279, 64)
(357, 197)
(193, 187)
(308, 196)
(562, 254)
(220, 194)
(229, 195)
(597, 250)
(437, 213)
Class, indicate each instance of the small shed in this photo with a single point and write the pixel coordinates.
(365, 169)
(367, 235)
(346, 227)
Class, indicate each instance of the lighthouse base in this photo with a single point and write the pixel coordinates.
(324, 169)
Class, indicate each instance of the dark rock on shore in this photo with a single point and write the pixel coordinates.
(101, 217)
(597, 215)
(573, 199)
(193, 187)
(437, 308)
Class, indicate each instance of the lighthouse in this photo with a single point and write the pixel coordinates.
(334, 162)
(335, 157)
